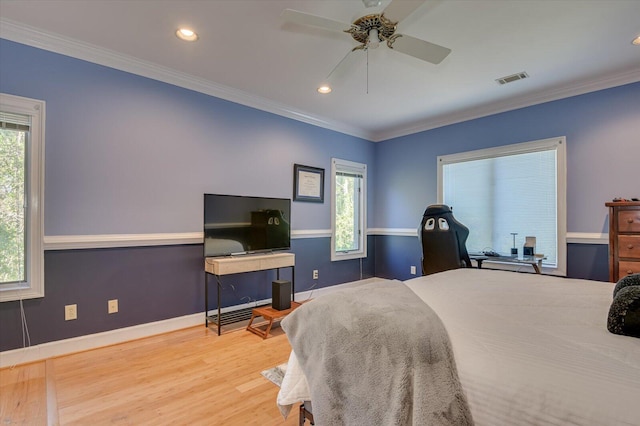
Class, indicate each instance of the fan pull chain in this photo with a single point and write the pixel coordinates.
(367, 71)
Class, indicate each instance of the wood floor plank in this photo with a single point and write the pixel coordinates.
(52, 395)
(191, 376)
(23, 398)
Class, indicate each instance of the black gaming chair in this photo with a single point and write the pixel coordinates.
(443, 241)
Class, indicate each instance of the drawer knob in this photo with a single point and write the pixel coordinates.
(630, 220)
(629, 272)
(630, 246)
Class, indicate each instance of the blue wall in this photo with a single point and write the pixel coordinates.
(130, 155)
(603, 147)
(153, 284)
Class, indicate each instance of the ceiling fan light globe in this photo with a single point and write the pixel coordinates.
(374, 41)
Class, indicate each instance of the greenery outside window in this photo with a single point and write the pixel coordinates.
(21, 197)
(514, 189)
(348, 210)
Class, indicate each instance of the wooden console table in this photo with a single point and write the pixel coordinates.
(269, 314)
(220, 266)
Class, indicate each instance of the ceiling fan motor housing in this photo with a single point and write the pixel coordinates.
(362, 26)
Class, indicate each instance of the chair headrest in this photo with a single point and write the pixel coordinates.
(436, 209)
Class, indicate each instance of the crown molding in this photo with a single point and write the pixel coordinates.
(24, 34)
(539, 97)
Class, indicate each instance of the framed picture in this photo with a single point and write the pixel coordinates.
(308, 184)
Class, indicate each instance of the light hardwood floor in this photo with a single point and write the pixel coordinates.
(187, 377)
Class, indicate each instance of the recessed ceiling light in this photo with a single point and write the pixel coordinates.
(324, 89)
(636, 41)
(186, 34)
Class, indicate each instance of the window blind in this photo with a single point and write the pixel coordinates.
(496, 197)
(13, 121)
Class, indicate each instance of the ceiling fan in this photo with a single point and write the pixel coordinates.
(372, 29)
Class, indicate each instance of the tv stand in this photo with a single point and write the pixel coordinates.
(220, 266)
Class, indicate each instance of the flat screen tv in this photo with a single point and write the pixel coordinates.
(242, 225)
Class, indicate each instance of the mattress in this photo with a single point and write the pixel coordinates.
(530, 349)
(535, 350)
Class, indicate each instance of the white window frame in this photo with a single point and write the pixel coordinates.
(33, 286)
(338, 165)
(559, 144)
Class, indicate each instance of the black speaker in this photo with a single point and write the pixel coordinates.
(281, 295)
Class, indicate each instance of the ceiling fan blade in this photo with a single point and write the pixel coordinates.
(303, 18)
(420, 49)
(397, 10)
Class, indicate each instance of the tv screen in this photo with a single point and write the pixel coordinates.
(240, 225)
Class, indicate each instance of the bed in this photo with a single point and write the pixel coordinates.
(529, 349)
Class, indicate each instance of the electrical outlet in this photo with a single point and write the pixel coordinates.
(70, 312)
(413, 270)
(315, 274)
(112, 306)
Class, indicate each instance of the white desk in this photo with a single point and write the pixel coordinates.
(220, 266)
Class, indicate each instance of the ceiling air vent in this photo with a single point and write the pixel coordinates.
(512, 78)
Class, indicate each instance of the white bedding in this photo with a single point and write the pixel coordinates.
(530, 349)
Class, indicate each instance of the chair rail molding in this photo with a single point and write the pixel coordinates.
(572, 237)
(587, 238)
(74, 242)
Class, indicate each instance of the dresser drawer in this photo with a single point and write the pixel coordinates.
(629, 221)
(624, 238)
(627, 268)
(629, 246)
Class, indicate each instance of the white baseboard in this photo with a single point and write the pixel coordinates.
(112, 337)
(92, 341)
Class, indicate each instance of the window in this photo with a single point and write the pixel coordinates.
(21, 197)
(348, 209)
(515, 189)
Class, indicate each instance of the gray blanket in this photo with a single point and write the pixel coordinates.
(377, 355)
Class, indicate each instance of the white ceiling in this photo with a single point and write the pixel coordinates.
(247, 54)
